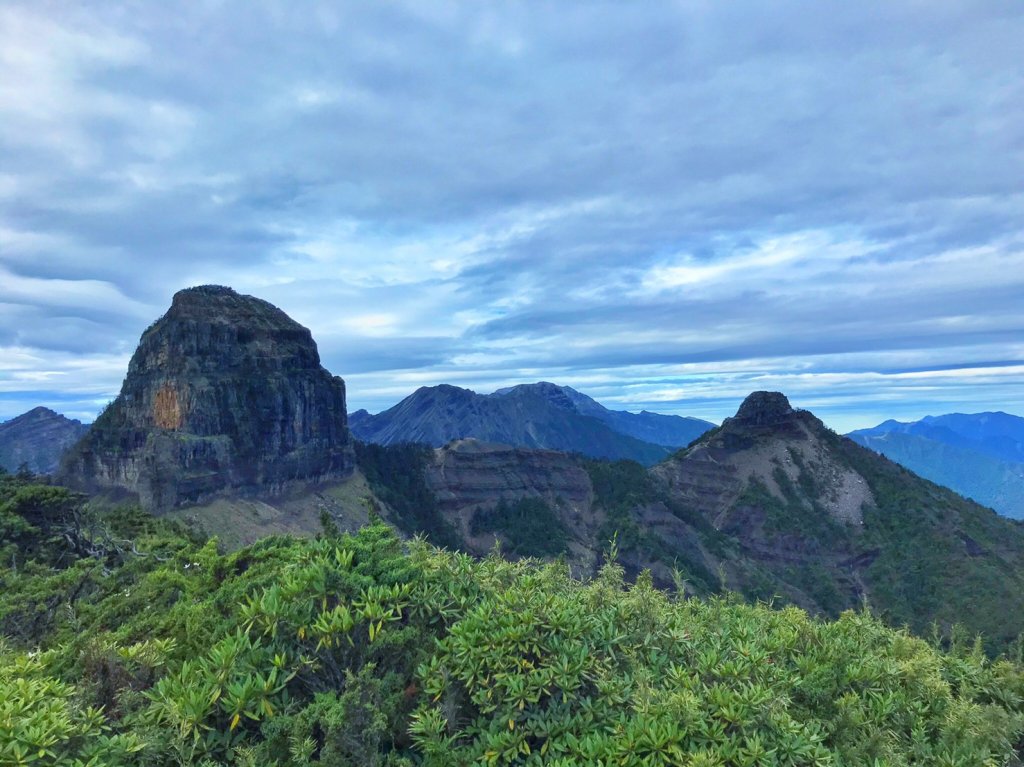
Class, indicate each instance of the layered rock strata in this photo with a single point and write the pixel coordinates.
(224, 393)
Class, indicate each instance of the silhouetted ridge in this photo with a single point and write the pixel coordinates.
(541, 415)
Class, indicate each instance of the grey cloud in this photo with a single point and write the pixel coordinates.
(555, 154)
(347, 357)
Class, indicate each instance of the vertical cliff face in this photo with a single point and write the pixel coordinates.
(224, 393)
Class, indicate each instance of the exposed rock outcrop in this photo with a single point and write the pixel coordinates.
(771, 478)
(468, 472)
(764, 408)
(467, 476)
(224, 393)
(827, 523)
(774, 446)
(37, 439)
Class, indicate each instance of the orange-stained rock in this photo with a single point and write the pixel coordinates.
(166, 409)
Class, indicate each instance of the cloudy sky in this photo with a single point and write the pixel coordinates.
(664, 205)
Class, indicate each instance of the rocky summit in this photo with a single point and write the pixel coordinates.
(764, 408)
(224, 393)
(825, 523)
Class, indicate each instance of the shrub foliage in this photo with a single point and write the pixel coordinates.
(366, 650)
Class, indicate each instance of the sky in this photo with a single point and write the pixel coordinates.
(664, 205)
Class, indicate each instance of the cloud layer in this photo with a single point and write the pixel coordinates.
(665, 205)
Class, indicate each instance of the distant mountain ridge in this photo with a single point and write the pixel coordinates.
(540, 415)
(670, 431)
(997, 434)
(37, 439)
(979, 455)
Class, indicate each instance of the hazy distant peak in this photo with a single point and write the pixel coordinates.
(980, 455)
(541, 414)
(38, 413)
(37, 438)
(445, 390)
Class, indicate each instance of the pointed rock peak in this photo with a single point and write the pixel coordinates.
(764, 408)
(38, 415)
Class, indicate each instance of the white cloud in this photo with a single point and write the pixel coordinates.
(69, 295)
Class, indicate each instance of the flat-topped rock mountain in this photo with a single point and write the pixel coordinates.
(764, 408)
(225, 393)
(37, 439)
(541, 415)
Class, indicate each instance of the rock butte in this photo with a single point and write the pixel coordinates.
(224, 393)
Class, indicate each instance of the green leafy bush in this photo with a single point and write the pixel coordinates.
(552, 671)
(365, 650)
(43, 722)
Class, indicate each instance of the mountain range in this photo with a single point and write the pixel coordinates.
(980, 455)
(540, 415)
(771, 504)
(227, 421)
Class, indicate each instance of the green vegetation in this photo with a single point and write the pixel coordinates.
(620, 487)
(936, 557)
(396, 474)
(529, 526)
(129, 643)
(792, 523)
